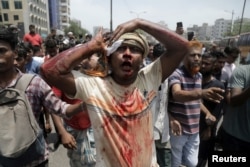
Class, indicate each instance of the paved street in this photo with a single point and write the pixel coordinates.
(58, 157)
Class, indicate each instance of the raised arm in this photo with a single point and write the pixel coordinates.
(57, 70)
(176, 45)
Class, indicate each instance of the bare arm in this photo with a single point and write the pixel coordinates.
(212, 94)
(210, 119)
(67, 139)
(177, 46)
(47, 121)
(175, 125)
(239, 96)
(183, 95)
(57, 70)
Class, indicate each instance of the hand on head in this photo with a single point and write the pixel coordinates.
(124, 28)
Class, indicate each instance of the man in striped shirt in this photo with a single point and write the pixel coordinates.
(185, 106)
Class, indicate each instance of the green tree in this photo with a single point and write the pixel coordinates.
(244, 28)
(76, 29)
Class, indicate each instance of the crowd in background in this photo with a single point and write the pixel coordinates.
(200, 107)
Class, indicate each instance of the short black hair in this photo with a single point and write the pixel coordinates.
(50, 43)
(9, 36)
(158, 50)
(31, 26)
(53, 30)
(218, 54)
(21, 52)
(23, 48)
(229, 50)
(209, 55)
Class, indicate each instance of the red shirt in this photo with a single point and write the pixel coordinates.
(79, 121)
(34, 39)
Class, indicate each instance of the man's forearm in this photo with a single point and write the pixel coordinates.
(238, 99)
(185, 96)
(65, 61)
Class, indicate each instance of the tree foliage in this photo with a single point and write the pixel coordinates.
(75, 28)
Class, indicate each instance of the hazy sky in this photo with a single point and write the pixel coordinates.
(190, 12)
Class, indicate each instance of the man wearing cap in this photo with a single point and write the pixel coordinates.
(71, 39)
(119, 101)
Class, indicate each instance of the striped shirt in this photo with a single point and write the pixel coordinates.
(187, 113)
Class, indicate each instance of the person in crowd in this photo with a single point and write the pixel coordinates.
(38, 52)
(179, 28)
(63, 43)
(149, 58)
(161, 120)
(236, 125)
(88, 37)
(29, 64)
(79, 126)
(214, 48)
(32, 37)
(80, 39)
(185, 105)
(32, 65)
(119, 102)
(208, 131)
(73, 133)
(20, 58)
(71, 39)
(219, 64)
(52, 34)
(232, 54)
(39, 94)
(52, 48)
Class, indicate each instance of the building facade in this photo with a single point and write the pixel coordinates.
(25, 12)
(221, 28)
(64, 10)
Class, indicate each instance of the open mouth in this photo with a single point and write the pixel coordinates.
(126, 66)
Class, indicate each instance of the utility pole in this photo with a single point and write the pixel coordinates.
(242, 17)
(231, 29)
(111, 16)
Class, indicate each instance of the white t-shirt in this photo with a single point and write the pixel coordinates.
(121, 117)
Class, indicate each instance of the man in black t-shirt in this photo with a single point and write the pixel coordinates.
(207, 131)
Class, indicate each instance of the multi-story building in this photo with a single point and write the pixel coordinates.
(64, 14)
(25, 12)
(204, 32)
(221, 28)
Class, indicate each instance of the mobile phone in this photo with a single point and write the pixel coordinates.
(179, 24)
(190, 35)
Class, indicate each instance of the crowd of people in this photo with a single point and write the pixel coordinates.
(117, 99)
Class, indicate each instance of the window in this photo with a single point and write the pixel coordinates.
(1, 19)
(18, 4)
(5, 4)
(16, 17)
(6, 17)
